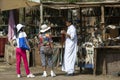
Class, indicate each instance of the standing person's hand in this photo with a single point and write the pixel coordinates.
(65, 33)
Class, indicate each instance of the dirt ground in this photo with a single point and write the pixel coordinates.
(8, 72)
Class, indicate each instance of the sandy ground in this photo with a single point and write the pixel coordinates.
(7, 72)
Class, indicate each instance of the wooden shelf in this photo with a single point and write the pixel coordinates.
(57, 27)
(52, 16)
(3, 25)
(3, 36)
(56, 36)
(55, 18)
(92, 16)
(112, 16)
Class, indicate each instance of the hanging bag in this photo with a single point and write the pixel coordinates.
(47, 50)
(23, 44)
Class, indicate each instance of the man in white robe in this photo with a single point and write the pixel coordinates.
(70, 49)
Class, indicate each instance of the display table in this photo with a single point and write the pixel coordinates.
(3, 41)
(10, 55)
(107, 60)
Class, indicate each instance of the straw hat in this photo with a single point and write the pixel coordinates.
(44, 28)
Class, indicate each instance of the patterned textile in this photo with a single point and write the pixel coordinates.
(45, 39)
(89, 62)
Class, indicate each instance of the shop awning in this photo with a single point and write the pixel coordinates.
(61, 6)
(15, 4)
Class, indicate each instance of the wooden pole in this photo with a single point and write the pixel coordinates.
(102, 24)
(102, 15)
(41, 14)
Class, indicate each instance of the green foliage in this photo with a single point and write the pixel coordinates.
(74, 0)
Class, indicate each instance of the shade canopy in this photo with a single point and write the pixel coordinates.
(15, 4)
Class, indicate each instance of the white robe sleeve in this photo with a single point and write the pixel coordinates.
(72, 32)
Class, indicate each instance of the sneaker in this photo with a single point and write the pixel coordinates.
(18, 75)
(30, 76)
(53, 74)
(44, 74)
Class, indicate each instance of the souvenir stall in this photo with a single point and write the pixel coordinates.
(92, 22)
(100, 37)
(98, 30)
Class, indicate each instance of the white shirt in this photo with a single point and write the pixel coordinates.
(20, 35)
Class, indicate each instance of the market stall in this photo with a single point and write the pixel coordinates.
(103, 30)
(107, 60)
(97, 26)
